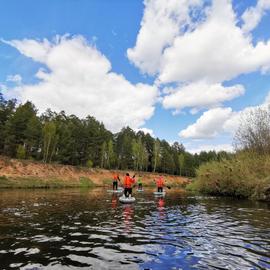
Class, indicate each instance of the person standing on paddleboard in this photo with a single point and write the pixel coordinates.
(140, 182)
(115, 181)
(128, 182)
(160, 183)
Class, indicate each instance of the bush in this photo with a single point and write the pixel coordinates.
(21, 154)
(245, 175)
(89, 164)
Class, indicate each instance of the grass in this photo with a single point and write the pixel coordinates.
(246, 175)
(32, 182)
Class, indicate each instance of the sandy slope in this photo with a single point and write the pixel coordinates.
(18, 169)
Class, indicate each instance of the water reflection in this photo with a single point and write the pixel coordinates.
(90, 229)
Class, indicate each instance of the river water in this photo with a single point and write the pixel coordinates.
(90, 229)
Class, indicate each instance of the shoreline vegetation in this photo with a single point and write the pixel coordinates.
(16, 173)
(246, 175)
(59, 150)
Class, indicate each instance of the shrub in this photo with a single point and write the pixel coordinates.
(21, 154)
(245, 175)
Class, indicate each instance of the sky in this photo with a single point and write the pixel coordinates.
(182, 70)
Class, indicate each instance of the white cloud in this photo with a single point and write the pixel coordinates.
(219, 120)
(14, 78)
(162, 22)
(210, 147)
(146, 131)
(215, 51)
(208, 125)
(200, 95)
(80, 81)
(253, 15)
(198, 55)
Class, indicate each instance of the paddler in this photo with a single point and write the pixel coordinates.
(140, 182)
(160, 183)
(128, 182)
(115, 181)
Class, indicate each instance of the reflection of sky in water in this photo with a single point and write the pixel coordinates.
(92, 230)
(169, 257)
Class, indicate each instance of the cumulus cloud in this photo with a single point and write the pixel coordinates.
(146, 131)
(210, 147)
(161, 23)
(79, 80)
(208, 125)
(198, 54)
(253, 15)
(200, 95)
(216, 50)
(217, 121)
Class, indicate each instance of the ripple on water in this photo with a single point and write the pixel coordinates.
(83, 230)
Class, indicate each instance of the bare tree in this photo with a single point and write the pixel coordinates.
(253, 133)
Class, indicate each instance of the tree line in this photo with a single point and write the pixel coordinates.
(67, 139)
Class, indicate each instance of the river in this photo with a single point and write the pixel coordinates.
(90, 229)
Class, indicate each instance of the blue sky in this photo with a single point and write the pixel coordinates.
(184, 70)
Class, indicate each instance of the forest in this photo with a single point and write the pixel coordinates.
(66, 139)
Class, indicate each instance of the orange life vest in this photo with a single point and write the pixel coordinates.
(160, 182)
(128, 181)
(115, 177)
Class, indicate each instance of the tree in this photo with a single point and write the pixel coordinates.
(156, 155)
(7, 109)
(253, 133)
(20, 128)
(21, 153)
(50, 139)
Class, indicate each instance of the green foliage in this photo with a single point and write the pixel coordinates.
(67, 139)
(89, 164)
(50, 139)
(244, 175)
(21, 154)
(86, 182)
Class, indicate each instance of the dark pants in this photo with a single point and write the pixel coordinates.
(115, 185)
(160, 189)
(128, 191)
(140, 186)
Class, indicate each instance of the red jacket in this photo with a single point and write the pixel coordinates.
(160, 182)
(128, 181)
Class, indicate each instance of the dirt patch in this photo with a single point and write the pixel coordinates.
(72, 176)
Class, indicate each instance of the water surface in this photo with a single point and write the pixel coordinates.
(90, 229)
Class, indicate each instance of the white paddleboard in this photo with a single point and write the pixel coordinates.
(160, 193)
(115, 191)
(124, 199)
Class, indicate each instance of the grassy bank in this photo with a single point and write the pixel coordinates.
(246, 175)
(34, 182)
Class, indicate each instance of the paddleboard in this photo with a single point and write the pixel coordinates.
(124, 199)
(160, 193)
(115, 191)
(139, 190)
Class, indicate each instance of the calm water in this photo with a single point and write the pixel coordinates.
(90, 229)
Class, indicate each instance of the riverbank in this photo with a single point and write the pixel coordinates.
(246, 175)
(30, 174)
